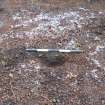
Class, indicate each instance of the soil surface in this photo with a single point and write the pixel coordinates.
(76, 79)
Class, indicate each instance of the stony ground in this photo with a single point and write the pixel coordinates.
(28, 80)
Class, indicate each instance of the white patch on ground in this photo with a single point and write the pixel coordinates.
(81, 8)
(11, 75)
(36, 82)
(97, 38)
(23, 65)
(1, 24)
(35, 88)
(100, 12)
(88, 59)
(93, 73)
(99, 48)
(93, 53)
(54, 22)
(96, 62)
(48, 24)
(29, 67)
(72, 45)
(16, 17)
(37, 67)
(70, 75)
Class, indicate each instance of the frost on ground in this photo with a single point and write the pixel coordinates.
(80, 80)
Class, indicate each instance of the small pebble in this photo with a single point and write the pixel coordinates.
(11, 75)
(97, 38)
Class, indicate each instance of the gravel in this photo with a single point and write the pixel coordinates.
(79, 79)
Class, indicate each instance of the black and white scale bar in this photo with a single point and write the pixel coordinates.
(54, 50)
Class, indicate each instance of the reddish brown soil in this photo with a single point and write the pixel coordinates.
(28, 80)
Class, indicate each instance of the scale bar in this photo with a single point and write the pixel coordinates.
(54, 50)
